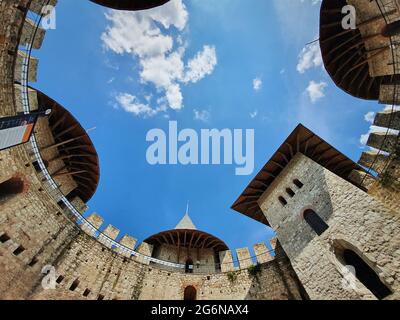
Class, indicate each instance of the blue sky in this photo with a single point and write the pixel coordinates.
(207, 64)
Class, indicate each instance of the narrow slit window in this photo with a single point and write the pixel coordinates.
(4, 238)
(33, 262)
(100, 297)
(60, 279)
(282, 200)
(18, 251)
(86, 293)
(315, 222)
(290, 192)
(74, 285)
(298, 183)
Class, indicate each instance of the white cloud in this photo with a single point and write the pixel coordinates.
(254, 114)
(201, 115)
(309, 57)
(313, 2)
(174, 97)
(201, 65)
(370, 117)
(257, 84)
(130, 104)
(154, 37)
(315, 90)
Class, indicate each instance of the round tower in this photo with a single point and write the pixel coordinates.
(197, 250)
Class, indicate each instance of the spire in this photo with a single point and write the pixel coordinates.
(186, 222)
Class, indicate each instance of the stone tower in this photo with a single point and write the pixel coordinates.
(325, 222)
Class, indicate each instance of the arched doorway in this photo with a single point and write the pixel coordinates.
(190, 293)
(10, 188)
(189, 265)
(365, 274)
(315, 221)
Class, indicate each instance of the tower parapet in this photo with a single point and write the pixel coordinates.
(226, 260)
(244, 258)
(262, 253)
(128, 242)
(96, 221)
(110, 232)
(146, 250)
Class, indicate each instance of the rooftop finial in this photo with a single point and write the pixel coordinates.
(187, 208)
(186, 222)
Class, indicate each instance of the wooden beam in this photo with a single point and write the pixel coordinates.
(290, 149)
(190, 243)
(172, 238)
(59, 135)
(69, 173)
(165, 239)
(62, 143)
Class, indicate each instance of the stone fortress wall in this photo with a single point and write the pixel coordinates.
(36, 231)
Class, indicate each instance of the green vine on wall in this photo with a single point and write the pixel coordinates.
(254, 270)
(232, 276)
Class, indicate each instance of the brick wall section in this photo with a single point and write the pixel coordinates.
(353, 217)
(379, 65)
(11, 20)
(113, 277)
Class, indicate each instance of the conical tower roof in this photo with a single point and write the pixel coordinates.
(186, 235)
(186, 222)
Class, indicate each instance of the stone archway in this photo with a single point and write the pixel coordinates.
(190, 293)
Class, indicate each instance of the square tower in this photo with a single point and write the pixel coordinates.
(342, 243)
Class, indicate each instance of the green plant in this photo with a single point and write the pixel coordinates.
(231, 276)
(254, 269)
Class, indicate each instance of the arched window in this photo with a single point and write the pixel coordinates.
(298, 183)
(189, 266)
(366, 274)
(190, 293)
(315, 222)
(10, 188)
(290, 192)
(282, 200)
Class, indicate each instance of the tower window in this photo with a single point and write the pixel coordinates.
(100, 297)
(366, 274)
(290, 192)
(298, 183)
(282, 200)
(74, 285)
(315, 222)
(18, 251)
